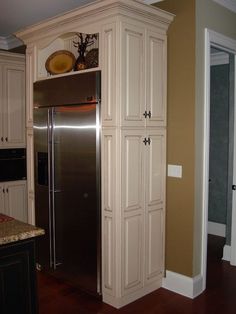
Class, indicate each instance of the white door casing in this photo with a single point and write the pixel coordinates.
(227, 44)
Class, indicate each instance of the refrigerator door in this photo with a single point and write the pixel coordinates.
(76, 195)
(42, 203)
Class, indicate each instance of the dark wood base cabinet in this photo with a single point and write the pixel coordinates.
(18, 278)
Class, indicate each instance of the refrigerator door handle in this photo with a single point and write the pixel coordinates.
(51, 183)
(53, 190)
(49, 188)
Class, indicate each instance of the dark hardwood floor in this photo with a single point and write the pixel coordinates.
(56, 297)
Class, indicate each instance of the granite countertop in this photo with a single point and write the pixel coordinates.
(12, 230)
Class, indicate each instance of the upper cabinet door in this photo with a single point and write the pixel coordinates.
(132, 75)
(156, 79)
(14, 105)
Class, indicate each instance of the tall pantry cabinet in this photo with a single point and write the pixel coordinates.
(12, 129)
(132, 60)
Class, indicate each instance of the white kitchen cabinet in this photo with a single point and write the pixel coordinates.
(13, 199)
(136, 93)
(143, 62)
(12, 100)
(143, 202)
(132, 60)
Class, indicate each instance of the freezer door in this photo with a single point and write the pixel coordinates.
(42, 212)
(76, 195)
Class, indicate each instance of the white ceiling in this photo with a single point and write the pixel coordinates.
(17, 14)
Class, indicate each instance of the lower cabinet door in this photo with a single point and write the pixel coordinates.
(18, 279)
(15, 194)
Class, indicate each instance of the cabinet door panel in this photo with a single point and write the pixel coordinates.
(14, 96)
(156, 79)
(132, 75)
(2, 205)
(154, 243)
(109, 75)
(133, 257)
(16, 200)
(1, 107)
(108, 256)
(156, 168)
(132, 170)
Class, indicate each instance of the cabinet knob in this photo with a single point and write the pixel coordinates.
(3, 190)
(6, 139)
(7, 190)
(147, 141)
(2, 139)
(145, 114)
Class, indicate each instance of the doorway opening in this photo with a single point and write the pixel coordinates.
(220, 154)
(219, 146)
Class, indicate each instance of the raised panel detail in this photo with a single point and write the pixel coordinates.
(156, 76)
(109, 75)
(15, 105)
(133, 75)
(2, 206)
(133, 252)
(108, 270)
(132, 171)
(156, 168)
(108, 172)
(16, 200)
(154, 243)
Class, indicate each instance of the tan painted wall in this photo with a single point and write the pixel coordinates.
(185, 125)
(180, 139)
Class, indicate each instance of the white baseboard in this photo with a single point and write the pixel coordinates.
(216, 229)
(186, 286)
(227, 253)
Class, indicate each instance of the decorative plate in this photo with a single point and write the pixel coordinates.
(59, 62)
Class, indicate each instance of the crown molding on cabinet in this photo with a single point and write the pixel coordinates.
(229, 4)
(9, 42)
(151, 1)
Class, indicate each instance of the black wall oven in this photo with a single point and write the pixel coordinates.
(12, 164)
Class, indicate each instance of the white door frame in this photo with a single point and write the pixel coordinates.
(225, 43)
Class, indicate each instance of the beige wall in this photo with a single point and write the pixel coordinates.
(185, 125)
(217, 18)
(180, 139)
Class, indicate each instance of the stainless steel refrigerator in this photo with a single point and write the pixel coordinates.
(67, 177)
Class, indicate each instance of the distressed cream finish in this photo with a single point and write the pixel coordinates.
(12, 100)
(13, 199)
(132, 58)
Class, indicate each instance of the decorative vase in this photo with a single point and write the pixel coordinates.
(80, 63)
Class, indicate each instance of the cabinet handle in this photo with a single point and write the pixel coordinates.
(7, 190)
(147, 141)
(2, 139)
(6, 139)
(147, 114)
(3, 190)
